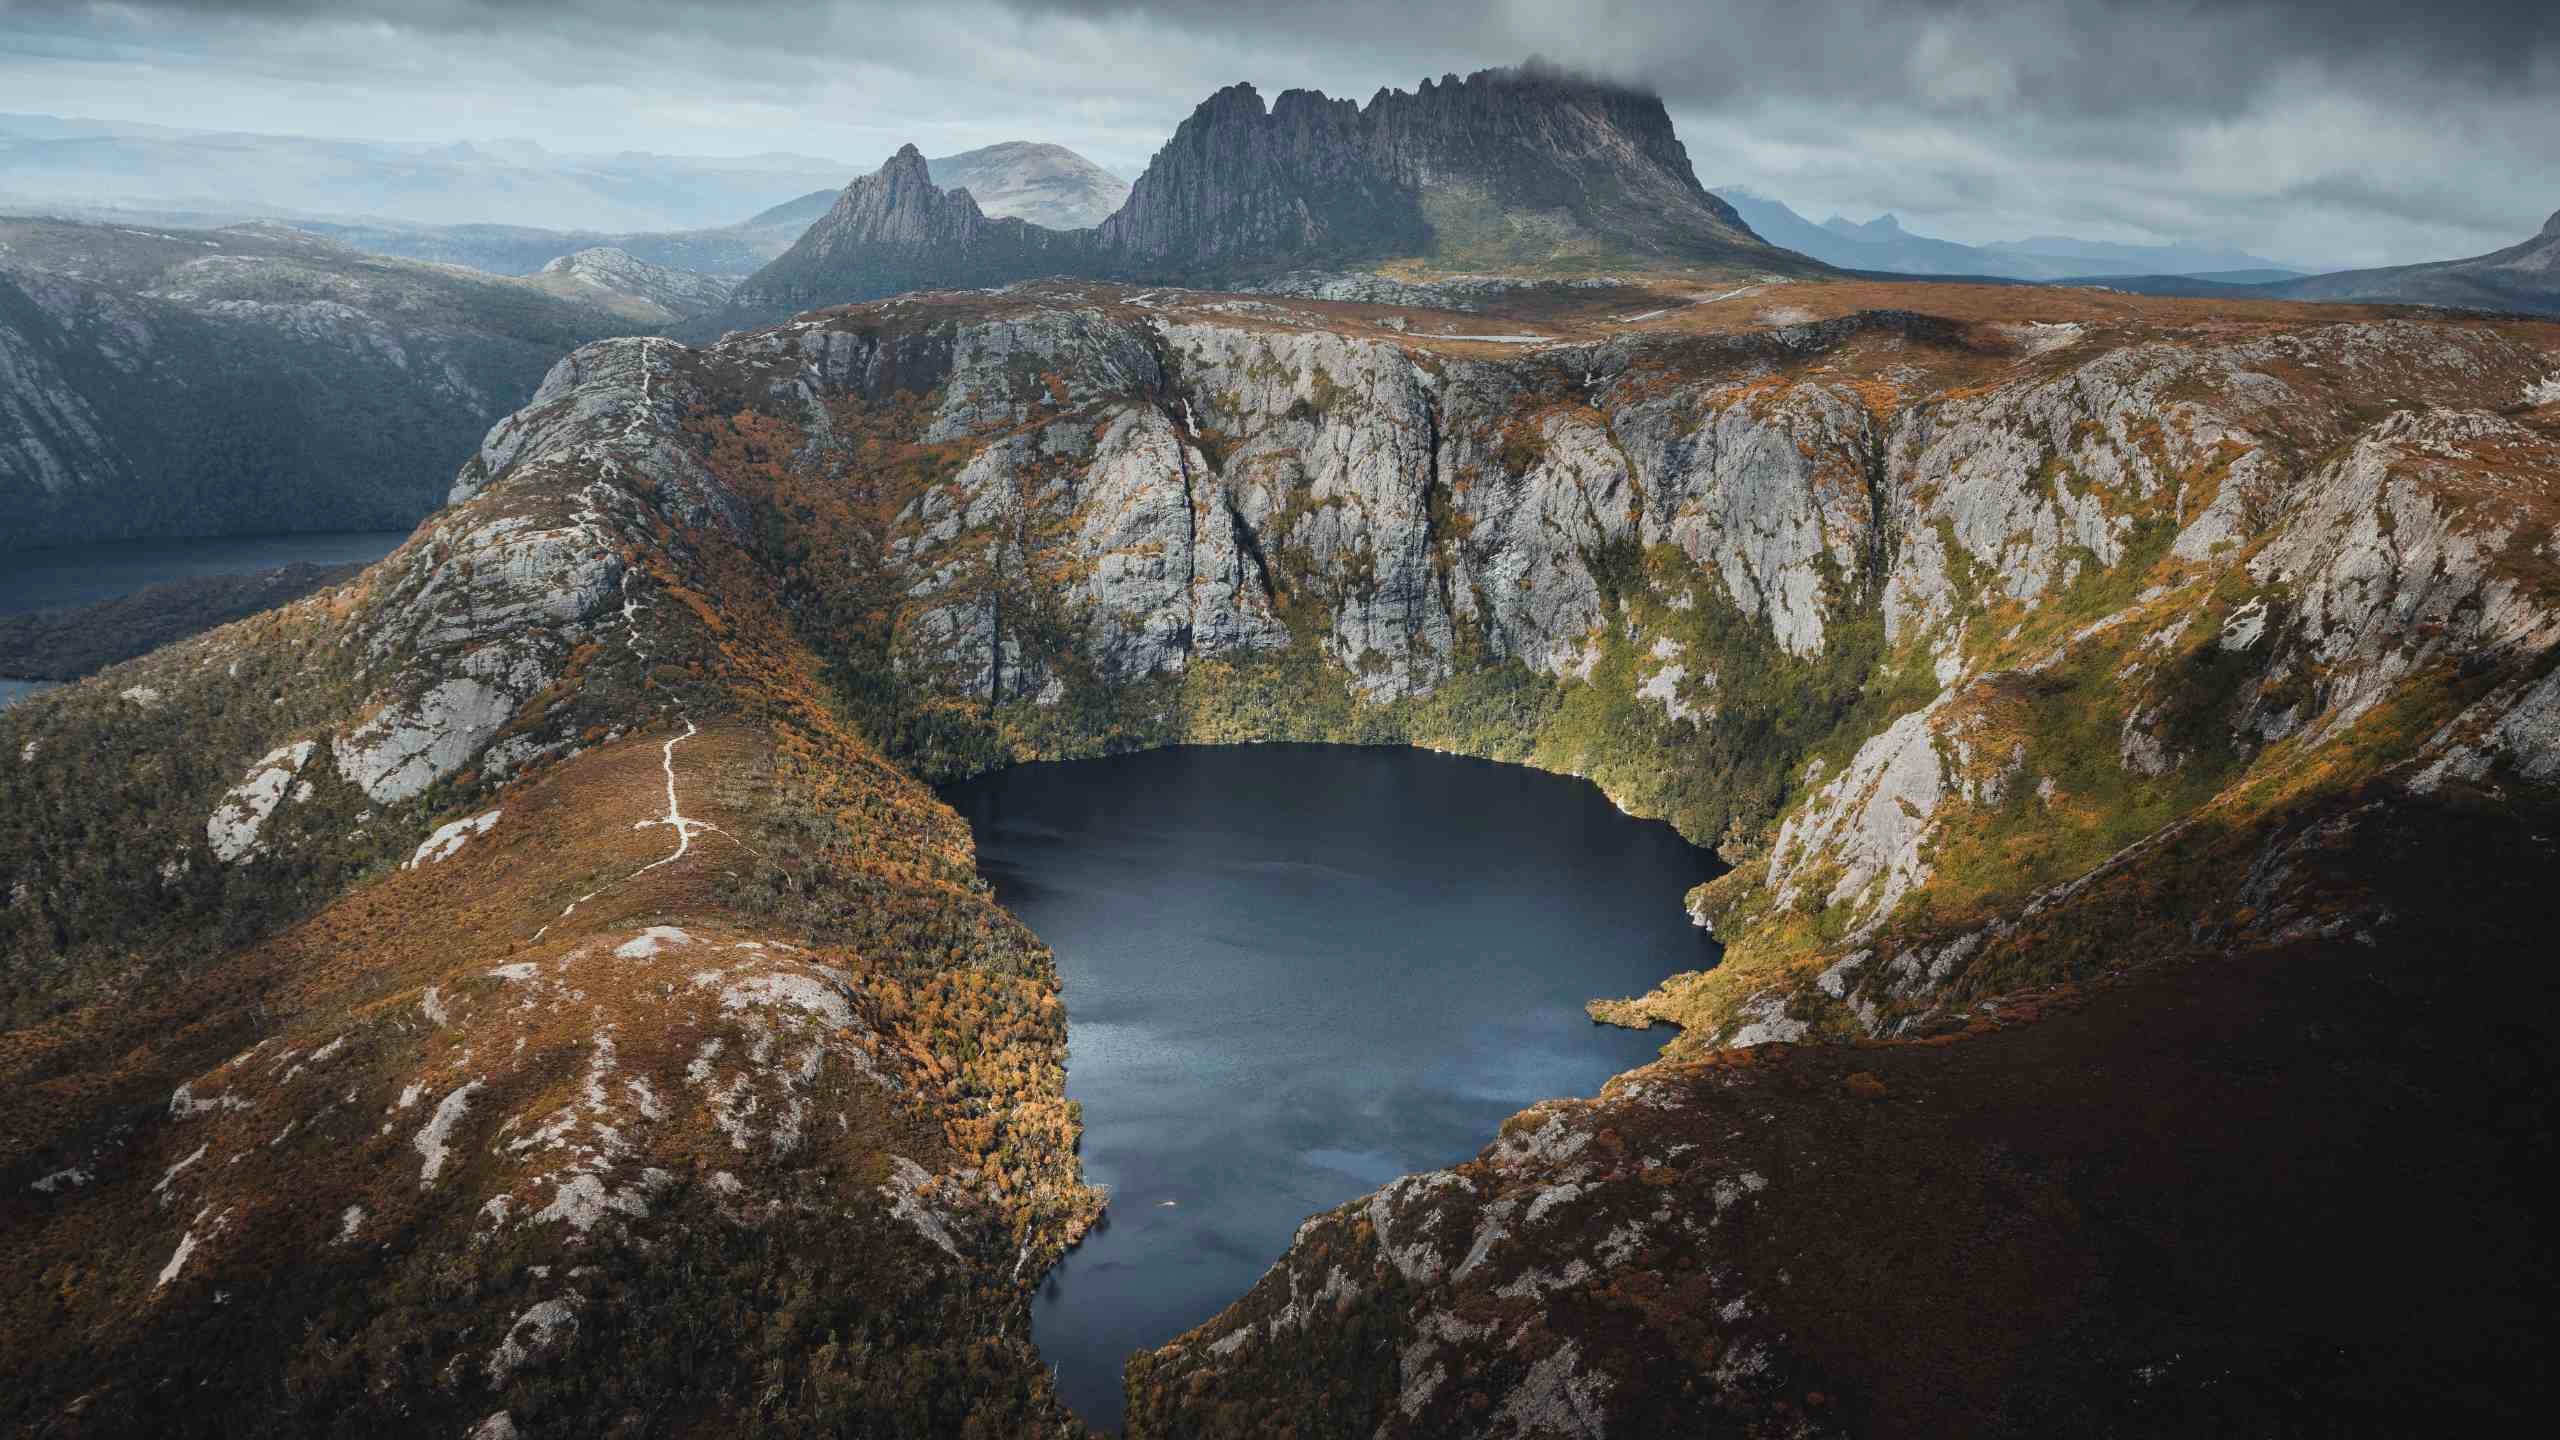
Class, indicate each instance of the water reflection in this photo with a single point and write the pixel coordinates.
(1294, 972)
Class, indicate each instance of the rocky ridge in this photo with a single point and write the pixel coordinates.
(621, 944)
(1985, 630)
(2519, 280)
(2522, 277)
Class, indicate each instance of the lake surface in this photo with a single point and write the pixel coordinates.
(1295, 972)
(86, 574)
(13, 691)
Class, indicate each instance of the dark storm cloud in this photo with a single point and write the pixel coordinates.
(2054, 55)
(2347, 130)
(2060, 56)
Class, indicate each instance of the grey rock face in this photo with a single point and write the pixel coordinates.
(1774, 498)
(1872, 821)
(400, 753)
(2385, 577)
(56, 439)
(1238, 180)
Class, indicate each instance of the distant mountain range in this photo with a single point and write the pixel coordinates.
(1882, 244)
(50, 161)
(1527, 170)
(253, 379)
(2523, 278)
(729, 252)
(1045, 184)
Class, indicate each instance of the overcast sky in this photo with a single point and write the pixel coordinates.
(2337, 131)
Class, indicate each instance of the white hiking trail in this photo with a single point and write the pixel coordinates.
(686, 827)
(675, 816)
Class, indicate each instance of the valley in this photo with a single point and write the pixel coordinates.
(2016, 646)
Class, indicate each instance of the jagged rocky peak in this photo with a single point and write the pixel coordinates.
(895, 230)
(1241, 180)
(896, 206)
(898, 203)
(1533, 165)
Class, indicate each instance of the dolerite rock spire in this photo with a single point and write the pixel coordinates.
(1506, 167)
(895, 230)
(1578, 153)
(1238, 182)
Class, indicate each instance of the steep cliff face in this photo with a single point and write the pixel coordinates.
(1567, 168)
(251, 379)
(1239, 182)
(1524, 167)
(2117, 709)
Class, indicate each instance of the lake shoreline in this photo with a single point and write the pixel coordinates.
(67, 612)
(1296, 972)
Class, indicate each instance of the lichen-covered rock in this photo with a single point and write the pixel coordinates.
(1477, 1293)
(232, 830)
(1866, 830)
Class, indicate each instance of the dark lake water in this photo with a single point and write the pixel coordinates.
(1295, 972)
(85, 574)
(12, 691)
